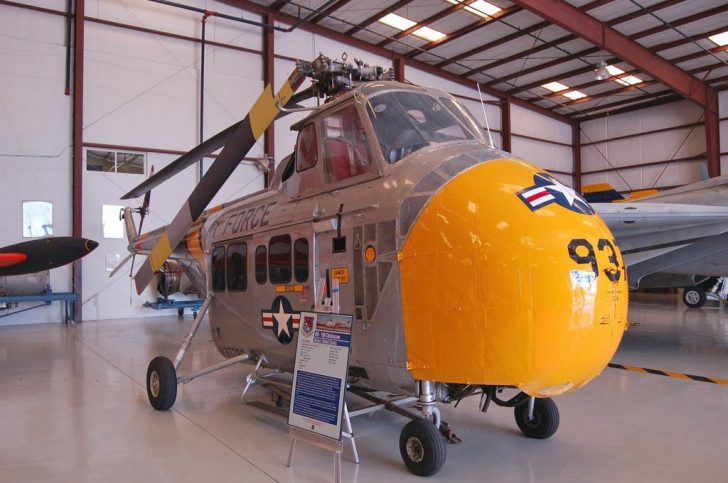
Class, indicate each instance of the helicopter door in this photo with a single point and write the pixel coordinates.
(332, 261)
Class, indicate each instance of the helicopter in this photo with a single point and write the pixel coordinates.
(466, 270)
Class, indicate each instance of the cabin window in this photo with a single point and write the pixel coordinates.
(218, 269)
(237, 267)
(261, 267)
(279, 259)
(306, 149)
(346, 152)
(300, 260)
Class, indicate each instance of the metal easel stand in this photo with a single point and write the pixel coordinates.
(333, 445)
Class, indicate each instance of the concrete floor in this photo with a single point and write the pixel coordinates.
(73, 407)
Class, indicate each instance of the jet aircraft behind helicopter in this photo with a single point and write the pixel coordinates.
(465, 269)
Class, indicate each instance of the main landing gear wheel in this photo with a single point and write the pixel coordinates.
(161, 383)
(545, 419)
(694, 297)
(422, 447)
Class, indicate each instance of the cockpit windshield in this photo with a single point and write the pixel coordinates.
(408, 121)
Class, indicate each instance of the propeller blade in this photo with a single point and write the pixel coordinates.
(246, 133)
(120, 265)
(145, 204)
(45, 253)
(143, 213)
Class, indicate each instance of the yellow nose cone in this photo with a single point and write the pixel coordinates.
(508, 278)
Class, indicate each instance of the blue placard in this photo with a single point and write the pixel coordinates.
(319, 377)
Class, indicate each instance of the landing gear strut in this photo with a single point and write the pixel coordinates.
(162, 378)
(422, 443)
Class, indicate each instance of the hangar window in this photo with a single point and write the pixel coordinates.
(346, 152)
(218, 269)
(237, 267)
(300, 260)
(279, 259)
(37, 219)
(306, 149)
(112, 225)
(261, 264)
(114, 162)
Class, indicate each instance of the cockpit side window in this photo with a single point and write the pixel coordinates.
(306, 148)
(346, 151)
(288, 171)
(406, 122)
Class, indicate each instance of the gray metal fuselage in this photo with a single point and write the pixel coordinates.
(373, 209)
(673, 238)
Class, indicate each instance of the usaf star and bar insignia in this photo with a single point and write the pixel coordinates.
(547, 190)
(282, 319)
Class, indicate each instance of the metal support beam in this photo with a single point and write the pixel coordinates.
(505, 109)
(712, 135)
(592, 30)
(576, 155)
(77, 169)
(398, 64)
(269, 137)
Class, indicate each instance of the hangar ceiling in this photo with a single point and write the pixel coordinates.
(513, 49)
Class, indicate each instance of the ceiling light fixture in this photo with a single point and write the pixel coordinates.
(720, 39)
(555, 86)
(394, 20)
(429, 34)
(574, 95)
(402, 23)
(479, 7)
(601, 73)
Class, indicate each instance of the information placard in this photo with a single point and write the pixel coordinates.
(319, 376)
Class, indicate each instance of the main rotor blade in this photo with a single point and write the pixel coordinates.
(45, 253)
(246, 133)
(213, 144)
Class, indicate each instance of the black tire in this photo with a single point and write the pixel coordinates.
(545, 420)
(694, 297)
(161, 383)
(422, 447)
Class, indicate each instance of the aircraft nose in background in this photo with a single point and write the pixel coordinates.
(509, 278)
(90, 245)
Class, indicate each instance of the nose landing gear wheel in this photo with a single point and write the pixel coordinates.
(161, 383)
(694, 297)
(545, 419)
(422, 447)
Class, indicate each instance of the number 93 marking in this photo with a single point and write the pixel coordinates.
(582, 252)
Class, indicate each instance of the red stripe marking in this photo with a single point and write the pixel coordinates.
(537, 196)
(10, 259)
